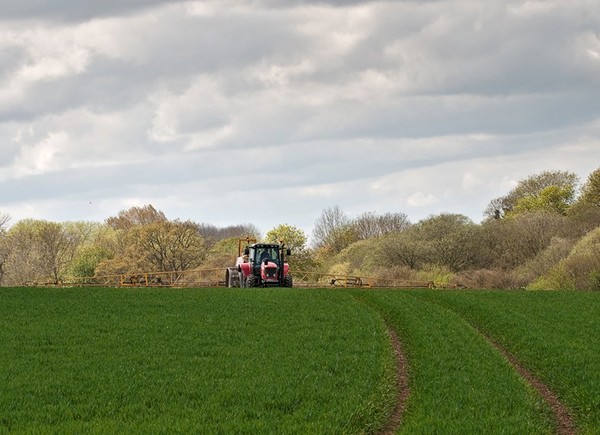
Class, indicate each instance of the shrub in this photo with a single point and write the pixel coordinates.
(558, 278)
(439, 275)
(484, 279)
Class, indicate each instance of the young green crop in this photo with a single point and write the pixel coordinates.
(556, 335)
(458, 382)
(194, 360)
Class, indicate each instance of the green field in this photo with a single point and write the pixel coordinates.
(291, 361)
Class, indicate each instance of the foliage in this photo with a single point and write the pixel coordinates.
(135, 216)
(529, 190)
(361, 257)
(543, 262)
(404, 248)
(583, 262)
(147, 241)
(519, 239)
(450, 240)
(40, 251)
(590, 192)
(552, 199)
(441, 276)
(169, 245)
(340, 269)
(485, 279)
(223, 253)
(538, 221)
(557, 278)
(293, 237)
(87, 259)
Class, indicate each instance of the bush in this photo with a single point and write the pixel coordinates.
(485, 279)
(543, 262)
(558, 278)
(594, 280)
(584, 261)
(439, 275)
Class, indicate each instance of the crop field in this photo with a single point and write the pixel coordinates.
(293, 360)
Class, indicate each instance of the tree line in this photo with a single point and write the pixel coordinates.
(543, 234)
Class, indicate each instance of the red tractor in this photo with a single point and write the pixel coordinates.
(261, 265)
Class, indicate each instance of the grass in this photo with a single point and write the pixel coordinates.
(291, 360)
(458, 383)
(556, 335)
(244, 361)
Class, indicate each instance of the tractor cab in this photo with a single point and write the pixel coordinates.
(260, 253)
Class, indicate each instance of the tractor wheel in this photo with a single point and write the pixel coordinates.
(232, 278)
(251, 281)
(288, 281)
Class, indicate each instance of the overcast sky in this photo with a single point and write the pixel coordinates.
(269, 111)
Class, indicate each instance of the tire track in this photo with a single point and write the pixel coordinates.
(565, 424)
(402, 380)
(403, 391)
(563, 418)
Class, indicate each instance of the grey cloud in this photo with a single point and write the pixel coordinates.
(68, 10)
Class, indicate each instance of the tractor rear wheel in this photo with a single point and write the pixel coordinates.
(232, 278)
(251, 281)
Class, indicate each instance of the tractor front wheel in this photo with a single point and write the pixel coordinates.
(287, 281)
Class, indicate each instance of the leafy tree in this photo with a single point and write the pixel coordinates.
(553, 199)
(169, 246)
(532, 187)
(87, 259)
(39, 251)
(293, 237)
(302, 257)
(136, 216)
(585, 213)
(590, 192)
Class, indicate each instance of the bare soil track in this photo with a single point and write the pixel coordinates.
(401, 384)
(565, 425)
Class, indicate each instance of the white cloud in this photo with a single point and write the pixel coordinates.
(421, 199)
(43, 156)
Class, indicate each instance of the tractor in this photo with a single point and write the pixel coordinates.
(261, 265)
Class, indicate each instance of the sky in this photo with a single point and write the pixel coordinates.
(270, 111)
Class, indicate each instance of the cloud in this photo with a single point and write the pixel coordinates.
(209, 108)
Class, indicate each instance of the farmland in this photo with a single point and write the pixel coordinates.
(292, 361)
